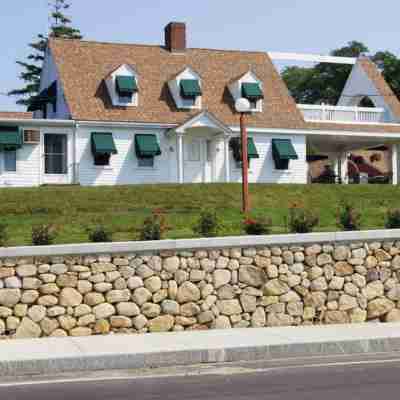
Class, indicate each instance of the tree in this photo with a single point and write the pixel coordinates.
(390, 66)
(324, 82)
(32, 67)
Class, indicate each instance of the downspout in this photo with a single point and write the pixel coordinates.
(75, 170)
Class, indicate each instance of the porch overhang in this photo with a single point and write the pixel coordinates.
(342, 142)
(203, 120)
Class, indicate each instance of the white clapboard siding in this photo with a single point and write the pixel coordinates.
(27, 174)
(123, 168)
(262, 170)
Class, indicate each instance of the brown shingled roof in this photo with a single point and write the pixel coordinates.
(82, 67)
(15, 115)
(381, 85)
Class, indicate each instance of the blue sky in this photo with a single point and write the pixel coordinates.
(312, 26)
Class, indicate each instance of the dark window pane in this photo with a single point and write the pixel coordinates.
(10, 161)
(102, 159)
(55, 154)
(146, 162)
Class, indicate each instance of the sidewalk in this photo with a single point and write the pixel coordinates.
(55, 355)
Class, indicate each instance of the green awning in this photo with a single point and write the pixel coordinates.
(103, 143)
(236, 148)
(147, 146)
(10, 138)
(282, 152)
(283, 149)
(126, 85)
(190, 88)
(252, 91)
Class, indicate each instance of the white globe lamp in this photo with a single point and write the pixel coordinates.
(242, 105)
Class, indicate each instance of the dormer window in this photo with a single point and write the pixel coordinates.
(123, 88)
(186, 90)
(253, 93)
(126, 86)
(249, 87)
(190, 90)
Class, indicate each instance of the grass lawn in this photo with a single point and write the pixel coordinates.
(122, 208)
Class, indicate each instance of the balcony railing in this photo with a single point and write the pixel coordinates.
(342, 114)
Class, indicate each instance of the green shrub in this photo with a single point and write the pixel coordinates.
(99, 234)
(393, 219)
(43, 234)
(349, 218)
(207, 224)
(3, 235)
(257, 226)
(301, 220)
(154, 227)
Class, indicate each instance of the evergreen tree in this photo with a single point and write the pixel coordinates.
(31, 68)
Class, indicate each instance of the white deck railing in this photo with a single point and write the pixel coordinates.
(341, 114)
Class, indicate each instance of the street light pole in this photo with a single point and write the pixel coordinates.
(242, 106)
(245, 165)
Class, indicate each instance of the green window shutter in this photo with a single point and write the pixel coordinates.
(103, 143)
(251, 149)
(10, 138)
(147, 146)
(236, 149)
(190, 88)
(252, 91)
(282, 152)
(126, 85)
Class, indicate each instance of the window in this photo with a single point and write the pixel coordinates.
(186, 90)
(253, 93)
(102, 159)
(146, 162)
(282, 152)
(146, 148)
(10, 160)
(235, 145)
(126, 86)
(126, 99)
(55, 149)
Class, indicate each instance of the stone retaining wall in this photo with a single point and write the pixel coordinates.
(201, 289)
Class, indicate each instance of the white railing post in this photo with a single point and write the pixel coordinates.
(395, 164)
(323, 112)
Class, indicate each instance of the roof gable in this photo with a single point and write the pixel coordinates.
(83, 66)
(365, 80)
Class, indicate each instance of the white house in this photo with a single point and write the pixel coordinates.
(114, 114)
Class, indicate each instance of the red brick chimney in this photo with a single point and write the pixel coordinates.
(175, 37)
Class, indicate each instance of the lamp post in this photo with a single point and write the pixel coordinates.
(242, 106)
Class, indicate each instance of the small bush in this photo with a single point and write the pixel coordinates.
(99, 234)
(349, 218)
(257, 226)
(301, 220)
(393, 219)
(3, 235)
(207, 224)
(154, 227)
(43, 234)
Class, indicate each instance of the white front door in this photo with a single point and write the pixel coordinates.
(198, 160)
(55, 158)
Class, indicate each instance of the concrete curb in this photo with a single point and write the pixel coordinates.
(56, 355)
(201, 243)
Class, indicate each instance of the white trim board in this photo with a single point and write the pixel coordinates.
(202, 243)
(315, 58)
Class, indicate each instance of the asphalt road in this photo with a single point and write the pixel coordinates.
(365, 378)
